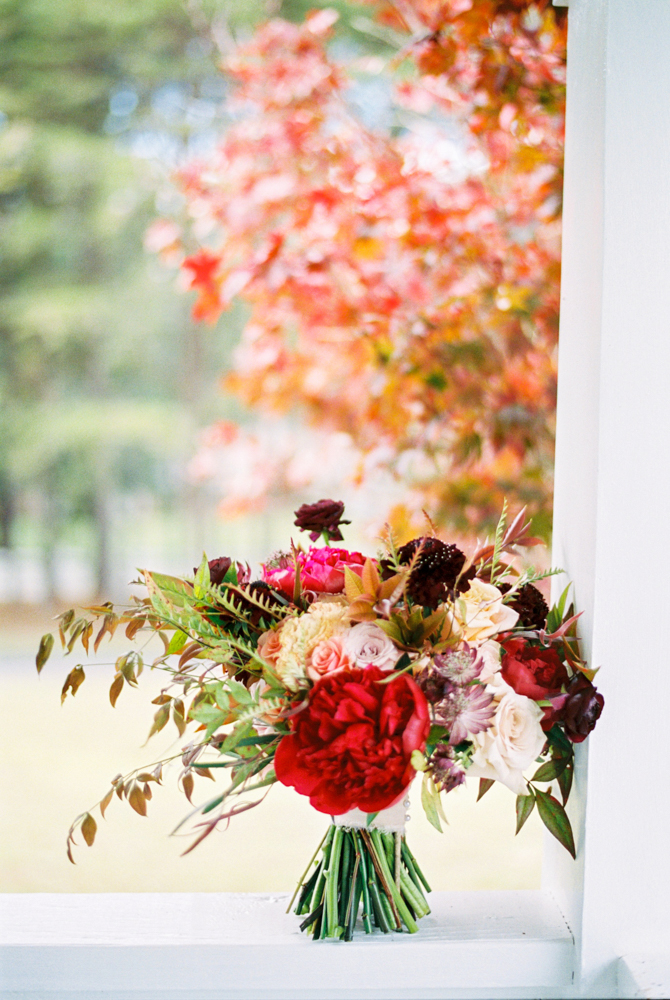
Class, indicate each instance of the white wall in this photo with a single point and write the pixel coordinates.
(612, 516)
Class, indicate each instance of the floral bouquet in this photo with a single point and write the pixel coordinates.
(343, 676)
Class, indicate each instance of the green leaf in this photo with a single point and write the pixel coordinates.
(524, 807)
(240, 732)
(551, 769)
(211, 716)
(44, 652)
(484, 785)
(202, 580)
(565, 782)
(555, 818)
(557, 738)
(435, 736)
(239, 693)
(428, 795)
(370, 818)
(177, 642)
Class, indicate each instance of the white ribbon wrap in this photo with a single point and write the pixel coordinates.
(391, 820)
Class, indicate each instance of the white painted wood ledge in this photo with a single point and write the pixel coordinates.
(236, 946)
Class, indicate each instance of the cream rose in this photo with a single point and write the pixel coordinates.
(328, 656)
(512, 742)
(479, 613)
(300, 636)
(369, 646)
(490, 654)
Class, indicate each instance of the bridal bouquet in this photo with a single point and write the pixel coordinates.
(343, 676)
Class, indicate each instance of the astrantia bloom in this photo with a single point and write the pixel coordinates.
(446, 771)
(321, 571)
(460, 666)
(350, 748)
(465, 711)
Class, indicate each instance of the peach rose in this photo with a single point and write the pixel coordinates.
(327, 657)
(269, 645)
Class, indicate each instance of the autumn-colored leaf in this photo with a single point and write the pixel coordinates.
(73, 682)
(137, 800)
(88, 829)
(115, 689)
(484, 785)
(44, 651)
(105, 802)
(160, 720)
(187, 784)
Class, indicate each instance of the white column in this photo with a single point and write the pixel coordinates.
(612, 508)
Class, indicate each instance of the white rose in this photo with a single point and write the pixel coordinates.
(513, 741)
(490, 654)
(369, 646)
(479, 613)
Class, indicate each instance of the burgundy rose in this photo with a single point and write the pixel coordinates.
(323, 517)
(218, 569)
(532, 671)
(582, 708)
(351, 746)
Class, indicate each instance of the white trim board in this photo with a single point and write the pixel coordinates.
(220, 946)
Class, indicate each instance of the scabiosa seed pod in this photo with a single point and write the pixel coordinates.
(529, 603)
(436, 571)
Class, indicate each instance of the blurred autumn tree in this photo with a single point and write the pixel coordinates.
(402, 279)
(101, 369)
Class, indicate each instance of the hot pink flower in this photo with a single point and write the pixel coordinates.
(321, 571)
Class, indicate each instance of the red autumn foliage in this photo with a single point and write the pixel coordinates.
(403, 288)
(351, 747)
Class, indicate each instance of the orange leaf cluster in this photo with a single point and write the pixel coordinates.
(403, 288)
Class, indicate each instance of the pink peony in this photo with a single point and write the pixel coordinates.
(321, 571)
(327, 657)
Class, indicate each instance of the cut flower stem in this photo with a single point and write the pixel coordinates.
(361, 873)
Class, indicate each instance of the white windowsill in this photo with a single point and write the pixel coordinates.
(230, 946)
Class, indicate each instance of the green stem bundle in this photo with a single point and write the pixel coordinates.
(367, 872)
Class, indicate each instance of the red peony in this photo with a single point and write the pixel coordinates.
(534, 672)
(321, 571)
(351, 746)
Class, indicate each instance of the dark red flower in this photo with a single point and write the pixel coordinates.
(324, 516)
(351, 746)
(218, 569)
(582, 708)
(532, 671)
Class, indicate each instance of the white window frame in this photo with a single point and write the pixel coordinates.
(598, 926)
